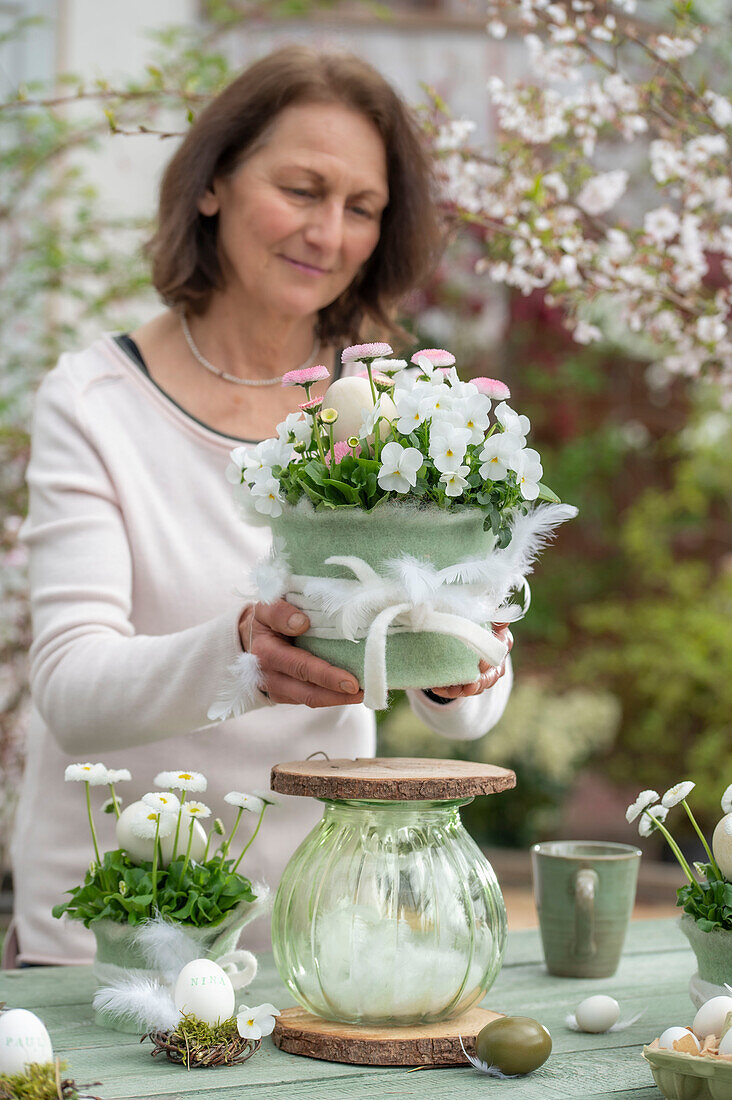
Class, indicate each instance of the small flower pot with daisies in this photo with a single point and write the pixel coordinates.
(170, 889)
(406, 510)
(706, 896)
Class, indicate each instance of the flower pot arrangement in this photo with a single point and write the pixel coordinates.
(406, 510)
(706, 896)
(168, 894)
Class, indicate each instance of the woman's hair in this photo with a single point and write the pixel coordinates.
(186, 267)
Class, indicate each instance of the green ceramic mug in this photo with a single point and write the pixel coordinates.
(584, 892)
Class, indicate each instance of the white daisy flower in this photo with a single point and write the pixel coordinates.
(146, 826)
(255, 1023)
(93, 774)
(181, 781)
(162, 803)
(727, 800)
(252, 802)
(195, 809)
(647, 823)
(677, 794)
(642, 802)
(118, 775)
(267, 797)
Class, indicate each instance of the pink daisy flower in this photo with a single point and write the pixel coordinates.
(340, 450)
(365, 351)
(312, 405)
(438, 357)
(493, 388)
(305, 377)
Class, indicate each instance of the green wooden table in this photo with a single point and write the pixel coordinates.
(653, 975)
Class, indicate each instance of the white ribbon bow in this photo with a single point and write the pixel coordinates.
(413, 597)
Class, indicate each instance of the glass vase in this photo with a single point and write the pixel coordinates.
(389, 914)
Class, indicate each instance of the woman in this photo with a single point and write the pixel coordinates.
(297, 208)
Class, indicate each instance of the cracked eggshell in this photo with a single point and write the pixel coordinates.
(141, 851)
(722, 847)
(203, 989)
(24, 1040)
(676, 1034)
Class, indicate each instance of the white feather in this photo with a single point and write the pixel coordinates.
(530, 534)
(238, 692)
(166, 946)
(143, 1001)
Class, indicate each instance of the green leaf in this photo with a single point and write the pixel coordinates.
(347, 491)
(545, 493)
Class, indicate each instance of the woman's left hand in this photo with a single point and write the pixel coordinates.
(489, 674)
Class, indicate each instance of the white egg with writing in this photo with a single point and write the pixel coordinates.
(204, 990)
(23, 1041)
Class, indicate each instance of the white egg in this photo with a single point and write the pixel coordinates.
(725, 1043)
(672, 1034)
(23, 1041)
(722, 847)
(349, 397)
(710, 1018)
(140, 850)
(204, 990)
(597, 1013)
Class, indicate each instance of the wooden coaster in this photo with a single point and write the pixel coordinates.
(390, 778)
(299, 1032)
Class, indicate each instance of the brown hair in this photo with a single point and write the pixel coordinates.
(186, 269)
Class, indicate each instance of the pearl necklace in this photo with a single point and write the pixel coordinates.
(232, 377)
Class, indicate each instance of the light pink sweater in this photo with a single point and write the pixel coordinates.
(135, 550)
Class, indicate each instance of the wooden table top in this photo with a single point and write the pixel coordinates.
(653, 975)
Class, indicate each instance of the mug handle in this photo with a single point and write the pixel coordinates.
(585, 887)
(241, 966)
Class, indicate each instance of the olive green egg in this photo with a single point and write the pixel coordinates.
(514, 1044)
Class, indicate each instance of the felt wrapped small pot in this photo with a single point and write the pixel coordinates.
(713, 952)
(418, 649)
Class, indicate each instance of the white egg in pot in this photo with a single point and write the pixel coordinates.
(23, 1041)
(140, 850)
(722, 846)
(204, 990)
(349, 397)
(710, 1018)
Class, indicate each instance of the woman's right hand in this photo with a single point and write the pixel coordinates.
(291, 674)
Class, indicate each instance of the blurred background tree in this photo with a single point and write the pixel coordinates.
(623, 664)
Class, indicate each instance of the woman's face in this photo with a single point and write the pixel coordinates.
(301, 215)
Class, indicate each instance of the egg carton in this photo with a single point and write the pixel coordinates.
(690, 1076)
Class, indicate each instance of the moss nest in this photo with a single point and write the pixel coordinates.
(195, 1044)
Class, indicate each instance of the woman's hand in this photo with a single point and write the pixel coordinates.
(489, 675)
(291, 674)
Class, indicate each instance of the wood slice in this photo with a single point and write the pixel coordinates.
(390, 778)
(299, 1032)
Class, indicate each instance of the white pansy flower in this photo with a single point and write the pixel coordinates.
(642, 802)
(602, 192)
(162, 802)
(455, 481)
(251, 802)
(496, 456)
(528, 469)
(268, 453)
(677, 794)
(266, 496)
(181, 781)
(93, 774)
(297, 424)
(474, 410)
(399, 467)
(235, 469)
(195, 809)
(512, 422)
(146, 825)
(410, 414)
(727, 800)
(369, 418)
(255, 1023)
(437, 401)
(647, 823)
(447, 449)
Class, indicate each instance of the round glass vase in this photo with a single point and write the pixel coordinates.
(389, 914)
